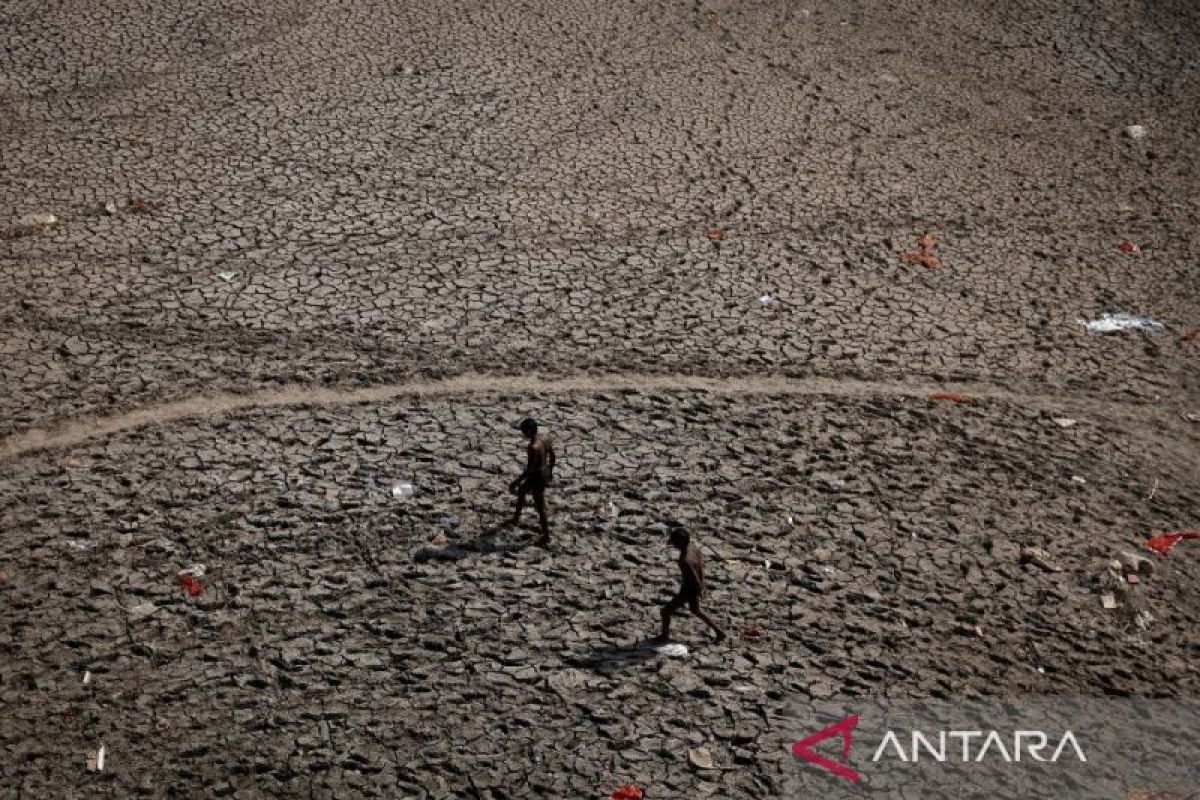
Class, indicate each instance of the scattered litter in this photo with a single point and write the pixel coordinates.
(402, 491)
(924, 253)
(227, 275)
(766, 301)
(1132, 578)
(191, 584)
(673, 650)
(38, 221)
(95, 762)
(1039, 558)
(139, 205)
(195, 570)
(1164, 542)
(78, 544)
(110, 208)
(1065, 422)
(612, 511)
(753, 632)
(979, 631)
(1136, 132)
(627, 792)
(1190, 335)
(1153, 490)
(701, 758)
(953, 397)
(1134, 563)
(1108, 601)
(715, 234)
(1143, 619)
(1078, 479)
(1127, 247)
(1190, 417)
(1115, 323)
(87, 678)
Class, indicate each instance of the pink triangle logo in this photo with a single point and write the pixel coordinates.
(845, 729)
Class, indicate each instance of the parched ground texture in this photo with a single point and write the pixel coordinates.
(304, 251)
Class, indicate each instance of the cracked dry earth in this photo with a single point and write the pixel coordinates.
(303, 252)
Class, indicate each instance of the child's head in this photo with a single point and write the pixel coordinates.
(679, 538)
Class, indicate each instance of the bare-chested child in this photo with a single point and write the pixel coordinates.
(538, 474)
(691, 587)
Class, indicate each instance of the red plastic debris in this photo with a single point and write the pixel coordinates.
(753, 632)
(1190, 335)
(924, 253)
(716, 234)
(1127, 247)
(1163, 543)
(628, 792)
(140, 205)
(953, 397)
(191, 584)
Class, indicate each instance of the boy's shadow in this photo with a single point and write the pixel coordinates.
(486, 543)
(611, 659)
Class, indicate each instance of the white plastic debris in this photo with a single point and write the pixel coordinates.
(672, 650)
(87, 678)
(701, 758)
(38, 220)
(402, 491)
(1136, 132)
(227, 275)
(95, 762)
(1108, 601)
(110, 208)
(1065, 422)
(766, 301)
(195, 570)
(1115, 323)
(1078, 479)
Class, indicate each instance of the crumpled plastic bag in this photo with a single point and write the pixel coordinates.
(923, 255)
(1115, 323)
(1163, 542)
(191, 584)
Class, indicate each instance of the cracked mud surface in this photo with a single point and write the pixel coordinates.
(351, 642)
(351, 245)
(392, 192)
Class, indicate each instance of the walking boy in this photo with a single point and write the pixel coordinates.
(691, 587)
